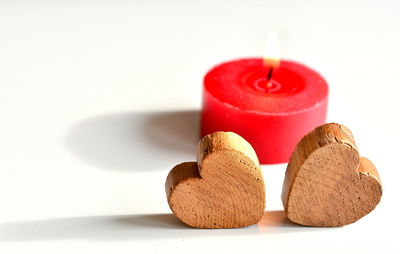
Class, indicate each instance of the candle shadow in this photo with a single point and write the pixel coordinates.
(134, 227)
(135, 141)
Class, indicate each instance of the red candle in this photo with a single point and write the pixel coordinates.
(272, 115)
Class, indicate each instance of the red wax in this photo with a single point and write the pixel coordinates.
(273, 116)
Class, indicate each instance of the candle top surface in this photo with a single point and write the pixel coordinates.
(243, 84)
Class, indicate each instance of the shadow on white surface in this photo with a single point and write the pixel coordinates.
(135, 141)
(134, 227)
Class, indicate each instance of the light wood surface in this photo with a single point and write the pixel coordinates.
(327, 184)
(224, 189)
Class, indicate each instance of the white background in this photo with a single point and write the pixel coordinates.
(100, 99)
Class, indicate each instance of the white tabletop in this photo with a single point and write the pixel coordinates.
(100, 99)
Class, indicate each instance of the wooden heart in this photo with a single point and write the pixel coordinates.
(224, 189)
(327, 184)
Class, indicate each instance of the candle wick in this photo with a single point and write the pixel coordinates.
(269, 76)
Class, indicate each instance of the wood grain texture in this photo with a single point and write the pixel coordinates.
(327, 184)
(224, 189)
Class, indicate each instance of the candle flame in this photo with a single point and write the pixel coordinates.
(272, 50)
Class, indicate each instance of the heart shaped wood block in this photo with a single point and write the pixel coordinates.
(224, 189)
(327, 184)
